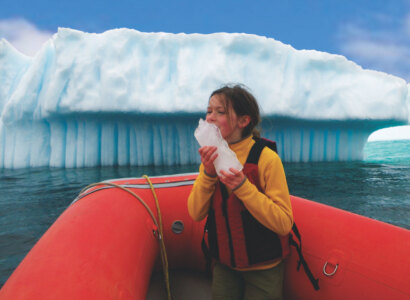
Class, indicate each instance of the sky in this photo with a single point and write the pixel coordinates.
(373, 33)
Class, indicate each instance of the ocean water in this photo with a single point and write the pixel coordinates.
(377, 187)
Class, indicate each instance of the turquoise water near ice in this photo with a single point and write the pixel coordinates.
(388, 152)
(377, 187)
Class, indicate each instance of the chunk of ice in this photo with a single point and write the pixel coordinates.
(208, 134)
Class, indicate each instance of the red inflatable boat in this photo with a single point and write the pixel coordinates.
(105, 246)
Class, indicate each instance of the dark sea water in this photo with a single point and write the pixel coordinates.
(378, 187)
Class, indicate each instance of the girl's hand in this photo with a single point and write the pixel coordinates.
(232, 181)
(208, 155)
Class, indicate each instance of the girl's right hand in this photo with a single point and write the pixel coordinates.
(208, 155)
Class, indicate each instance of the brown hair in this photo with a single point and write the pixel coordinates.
(243, 103)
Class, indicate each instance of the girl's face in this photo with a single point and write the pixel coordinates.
(230, 125)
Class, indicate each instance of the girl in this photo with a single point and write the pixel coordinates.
(249, 211)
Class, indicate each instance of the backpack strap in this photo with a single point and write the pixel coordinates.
(302, 261)
(256, 150)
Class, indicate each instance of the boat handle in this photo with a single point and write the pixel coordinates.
(329, 274)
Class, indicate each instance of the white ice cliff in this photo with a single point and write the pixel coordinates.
(125, 97)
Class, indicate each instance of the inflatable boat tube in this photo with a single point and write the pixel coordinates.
(105, 246)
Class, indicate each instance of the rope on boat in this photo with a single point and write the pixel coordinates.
(157, 224)
(161, 240)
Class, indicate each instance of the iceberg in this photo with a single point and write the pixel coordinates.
(125, 97)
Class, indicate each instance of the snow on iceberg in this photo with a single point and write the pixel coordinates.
(125, 97)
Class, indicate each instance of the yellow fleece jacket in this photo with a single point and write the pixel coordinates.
(271, 208)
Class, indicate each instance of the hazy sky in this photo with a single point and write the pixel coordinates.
(373, 33)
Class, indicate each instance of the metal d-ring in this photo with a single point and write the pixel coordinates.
(330, 274)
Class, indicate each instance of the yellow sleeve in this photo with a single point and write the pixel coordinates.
(271, 208)
(199, 199)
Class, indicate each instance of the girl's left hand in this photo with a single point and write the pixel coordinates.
(233, 180)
